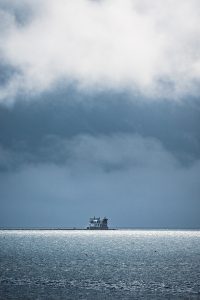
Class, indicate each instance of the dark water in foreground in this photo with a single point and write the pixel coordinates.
(99, 265)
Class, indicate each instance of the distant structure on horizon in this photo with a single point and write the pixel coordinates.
(98, 224)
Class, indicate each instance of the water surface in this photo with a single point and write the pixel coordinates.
(121, 264)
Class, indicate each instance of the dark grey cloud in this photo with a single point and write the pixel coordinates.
(67, 156)
(37, 128)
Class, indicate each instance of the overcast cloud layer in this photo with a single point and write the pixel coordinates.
(149, 47)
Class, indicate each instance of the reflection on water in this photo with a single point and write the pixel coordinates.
(121, 264)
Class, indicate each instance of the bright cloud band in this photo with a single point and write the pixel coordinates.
(147, 47)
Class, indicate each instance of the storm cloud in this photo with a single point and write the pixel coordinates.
(62, 161)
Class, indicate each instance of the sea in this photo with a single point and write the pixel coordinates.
(113, 264)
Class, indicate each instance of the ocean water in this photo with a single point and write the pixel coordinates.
(120, 264)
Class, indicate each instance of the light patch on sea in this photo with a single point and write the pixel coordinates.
(81, 264)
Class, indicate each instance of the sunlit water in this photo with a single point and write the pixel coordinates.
(121, 264)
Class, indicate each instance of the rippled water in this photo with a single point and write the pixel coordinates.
(121, 264)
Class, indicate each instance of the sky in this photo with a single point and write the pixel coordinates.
(99, 113)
